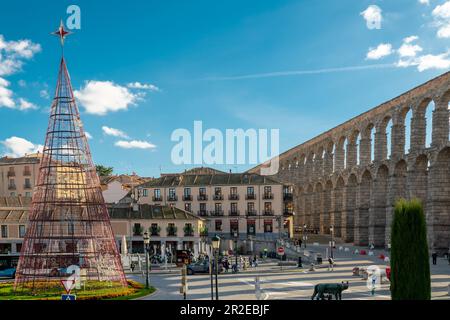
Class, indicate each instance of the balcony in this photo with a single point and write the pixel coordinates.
(202, 213)
(251, 213)
(233, 197)
(27, 173)
(218, 197)
(268, 196)
(187, 198)
(217, 213)
(172, 198)
(189, 234)
(250, 196)
(12, 187)
(11, 174)
(202, 197)
(268, 212)
(27, 186)
(157, 199)
(233, 213)
(288, 213)
(288, 197)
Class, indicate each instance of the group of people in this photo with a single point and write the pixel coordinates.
(434, 257)
(244, 262)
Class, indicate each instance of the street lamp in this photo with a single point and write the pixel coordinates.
(146, 238)
(305, 236)
(215, 241)
(332, 241)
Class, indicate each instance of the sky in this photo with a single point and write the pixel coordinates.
(143, 69)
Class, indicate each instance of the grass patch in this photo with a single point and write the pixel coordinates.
(93, 290)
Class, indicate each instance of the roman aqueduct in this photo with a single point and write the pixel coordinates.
(350, 176)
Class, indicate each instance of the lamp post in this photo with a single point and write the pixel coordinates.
(215, 241)
(305, 235)
(235, 234)
(146, 248)
(332, 241)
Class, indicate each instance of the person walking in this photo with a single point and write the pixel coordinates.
(330, 264)
(434, 257)
(226, 265)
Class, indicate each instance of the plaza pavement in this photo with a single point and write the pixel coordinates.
(290, 282)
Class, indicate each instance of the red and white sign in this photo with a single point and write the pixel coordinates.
(280, 251)
(69, 283)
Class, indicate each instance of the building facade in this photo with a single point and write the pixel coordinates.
(238, 207)
(18, 176)
(171, 228)
(351, 176)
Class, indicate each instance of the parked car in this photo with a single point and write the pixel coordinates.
(8, 273)
(201, 267)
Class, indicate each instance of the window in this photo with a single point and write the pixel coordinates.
(21, 231)
(218, 209)
(267, 190)
(187, 192)
(233, 190)
(218, 191)
(202, 206)
(250, 190)
(202, 191)
(251, 208)
(27, 183)
(218, 225)
(251, 229)
(268, 228)
(154, 229)
(28, 194)
(268, 207)
(145, 192)
(233, 207)
(188, 207)
(234, 226)
(172, 194)
(157, 194)
(137, 229)
(4, 231)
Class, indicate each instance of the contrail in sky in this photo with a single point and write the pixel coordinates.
(301, 72)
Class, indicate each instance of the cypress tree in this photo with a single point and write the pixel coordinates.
(410, 266)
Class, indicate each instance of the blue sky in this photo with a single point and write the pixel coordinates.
(231, 64)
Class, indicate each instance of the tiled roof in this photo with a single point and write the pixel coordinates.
(209, 179)
(149, 212)
(35, 158)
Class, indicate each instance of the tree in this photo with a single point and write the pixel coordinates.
(410, 265)
(103, 171)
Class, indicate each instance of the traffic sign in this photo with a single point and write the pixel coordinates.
(280, 251)
(68, 285)
(68, 297)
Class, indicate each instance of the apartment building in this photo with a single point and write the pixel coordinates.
(170, 228)
(18, 176)
(236, 206)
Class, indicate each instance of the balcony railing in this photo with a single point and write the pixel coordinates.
(189, 234)
(268, 196)
(218, 197)
(268, 212)
(288, 197)
(11, 174)
(27, 186)
(187, 198)
(217, 213)
(27, 173)
(202, 197)
(233, 212)
(251, 213)
(12, 187)
(157, 199)
(233, 196)
(202, 213)
(250, 196)
(172, 198)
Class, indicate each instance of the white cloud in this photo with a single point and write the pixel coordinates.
(383, 50)
(12, 56)
(88, 135)
(373, 16)
(430, 61)
(441, 16)
(427, 2)
(143, 86)
(114, 132)
(18, 147)
(408, 49)
(101, 97)
(135, 144)
(25, 105)
(44, 94)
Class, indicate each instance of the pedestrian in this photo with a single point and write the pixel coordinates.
(330, 264)
(434, 257)
(255, 261)
(226, 265)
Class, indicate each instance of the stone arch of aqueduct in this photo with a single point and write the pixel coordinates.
(347, 179)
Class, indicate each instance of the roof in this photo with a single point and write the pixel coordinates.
(198, 171)
(32, 158)
(16, 210)
(124, 179)
(209, 179)
(147, 211)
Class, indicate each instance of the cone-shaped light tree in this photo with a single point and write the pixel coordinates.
(410, 266)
